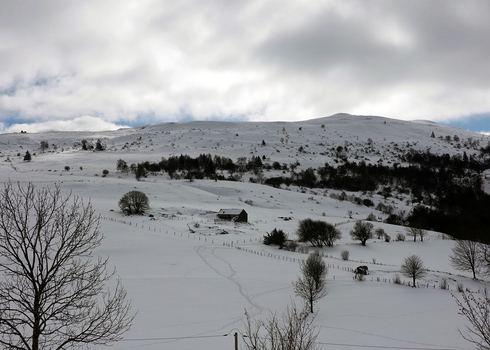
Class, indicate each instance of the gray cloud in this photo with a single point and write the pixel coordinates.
(161, 60)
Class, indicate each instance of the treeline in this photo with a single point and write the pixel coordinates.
(203, 166)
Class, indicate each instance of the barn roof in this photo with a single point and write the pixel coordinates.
(230, 211)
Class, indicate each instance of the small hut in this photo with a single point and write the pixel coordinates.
(236, 215)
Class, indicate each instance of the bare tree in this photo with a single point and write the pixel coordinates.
(293, 330)
(484, 256)
(476, 308)
(44, 145)
(379, 232)
(134, 202)
(466, 256)
(413, 267)
(53, 293)
(414, 231)
(122, 166)
(312, 285)
(362, 231)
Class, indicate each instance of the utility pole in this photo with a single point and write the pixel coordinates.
(236, 340)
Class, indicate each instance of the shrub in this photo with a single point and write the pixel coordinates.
(290, 246)
(134, 202)
(367, 202)
(360, 272)
(122, 166)
(99, 146)
(105, 172)
(396, 279)
(387, 238)
(359, 277)
(371, 217)
(400, 237)
(317, 232)
(277, 237)
(443, 284)
(460, 287)
(67, 168)
(379, 232)
(345, 255)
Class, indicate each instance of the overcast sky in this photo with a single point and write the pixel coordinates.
(83, 64)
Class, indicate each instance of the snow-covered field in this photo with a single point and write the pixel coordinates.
(191, 289)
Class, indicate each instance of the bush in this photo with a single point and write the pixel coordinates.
(345, 255)
(387, 238)
(277, 237)
(67, 168)
(290, 246)
(400, 237)
(379, 232)
(359, 277)
(105, 172)
(396, 279)
(122, 166)
(99, 146)
(317, 232)
(367, 202)
(460, 287)
(134, 202)
(371, 217)
(443, 284)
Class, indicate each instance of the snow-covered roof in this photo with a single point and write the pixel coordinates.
(230, 211)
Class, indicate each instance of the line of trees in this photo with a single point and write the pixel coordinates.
(203, 166)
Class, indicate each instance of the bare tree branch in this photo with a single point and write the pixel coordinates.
(293, 330)
(476, 308)
(53, 293)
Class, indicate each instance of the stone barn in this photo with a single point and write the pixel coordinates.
(236, 215)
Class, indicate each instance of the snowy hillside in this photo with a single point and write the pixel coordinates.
(190, 283)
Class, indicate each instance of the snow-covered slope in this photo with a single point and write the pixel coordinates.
(191, 288)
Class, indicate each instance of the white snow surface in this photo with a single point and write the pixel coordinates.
(190, 289)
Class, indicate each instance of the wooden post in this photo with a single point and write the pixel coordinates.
(236, 341)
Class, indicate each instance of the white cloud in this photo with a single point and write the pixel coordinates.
(162, 60)
(83, 123)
